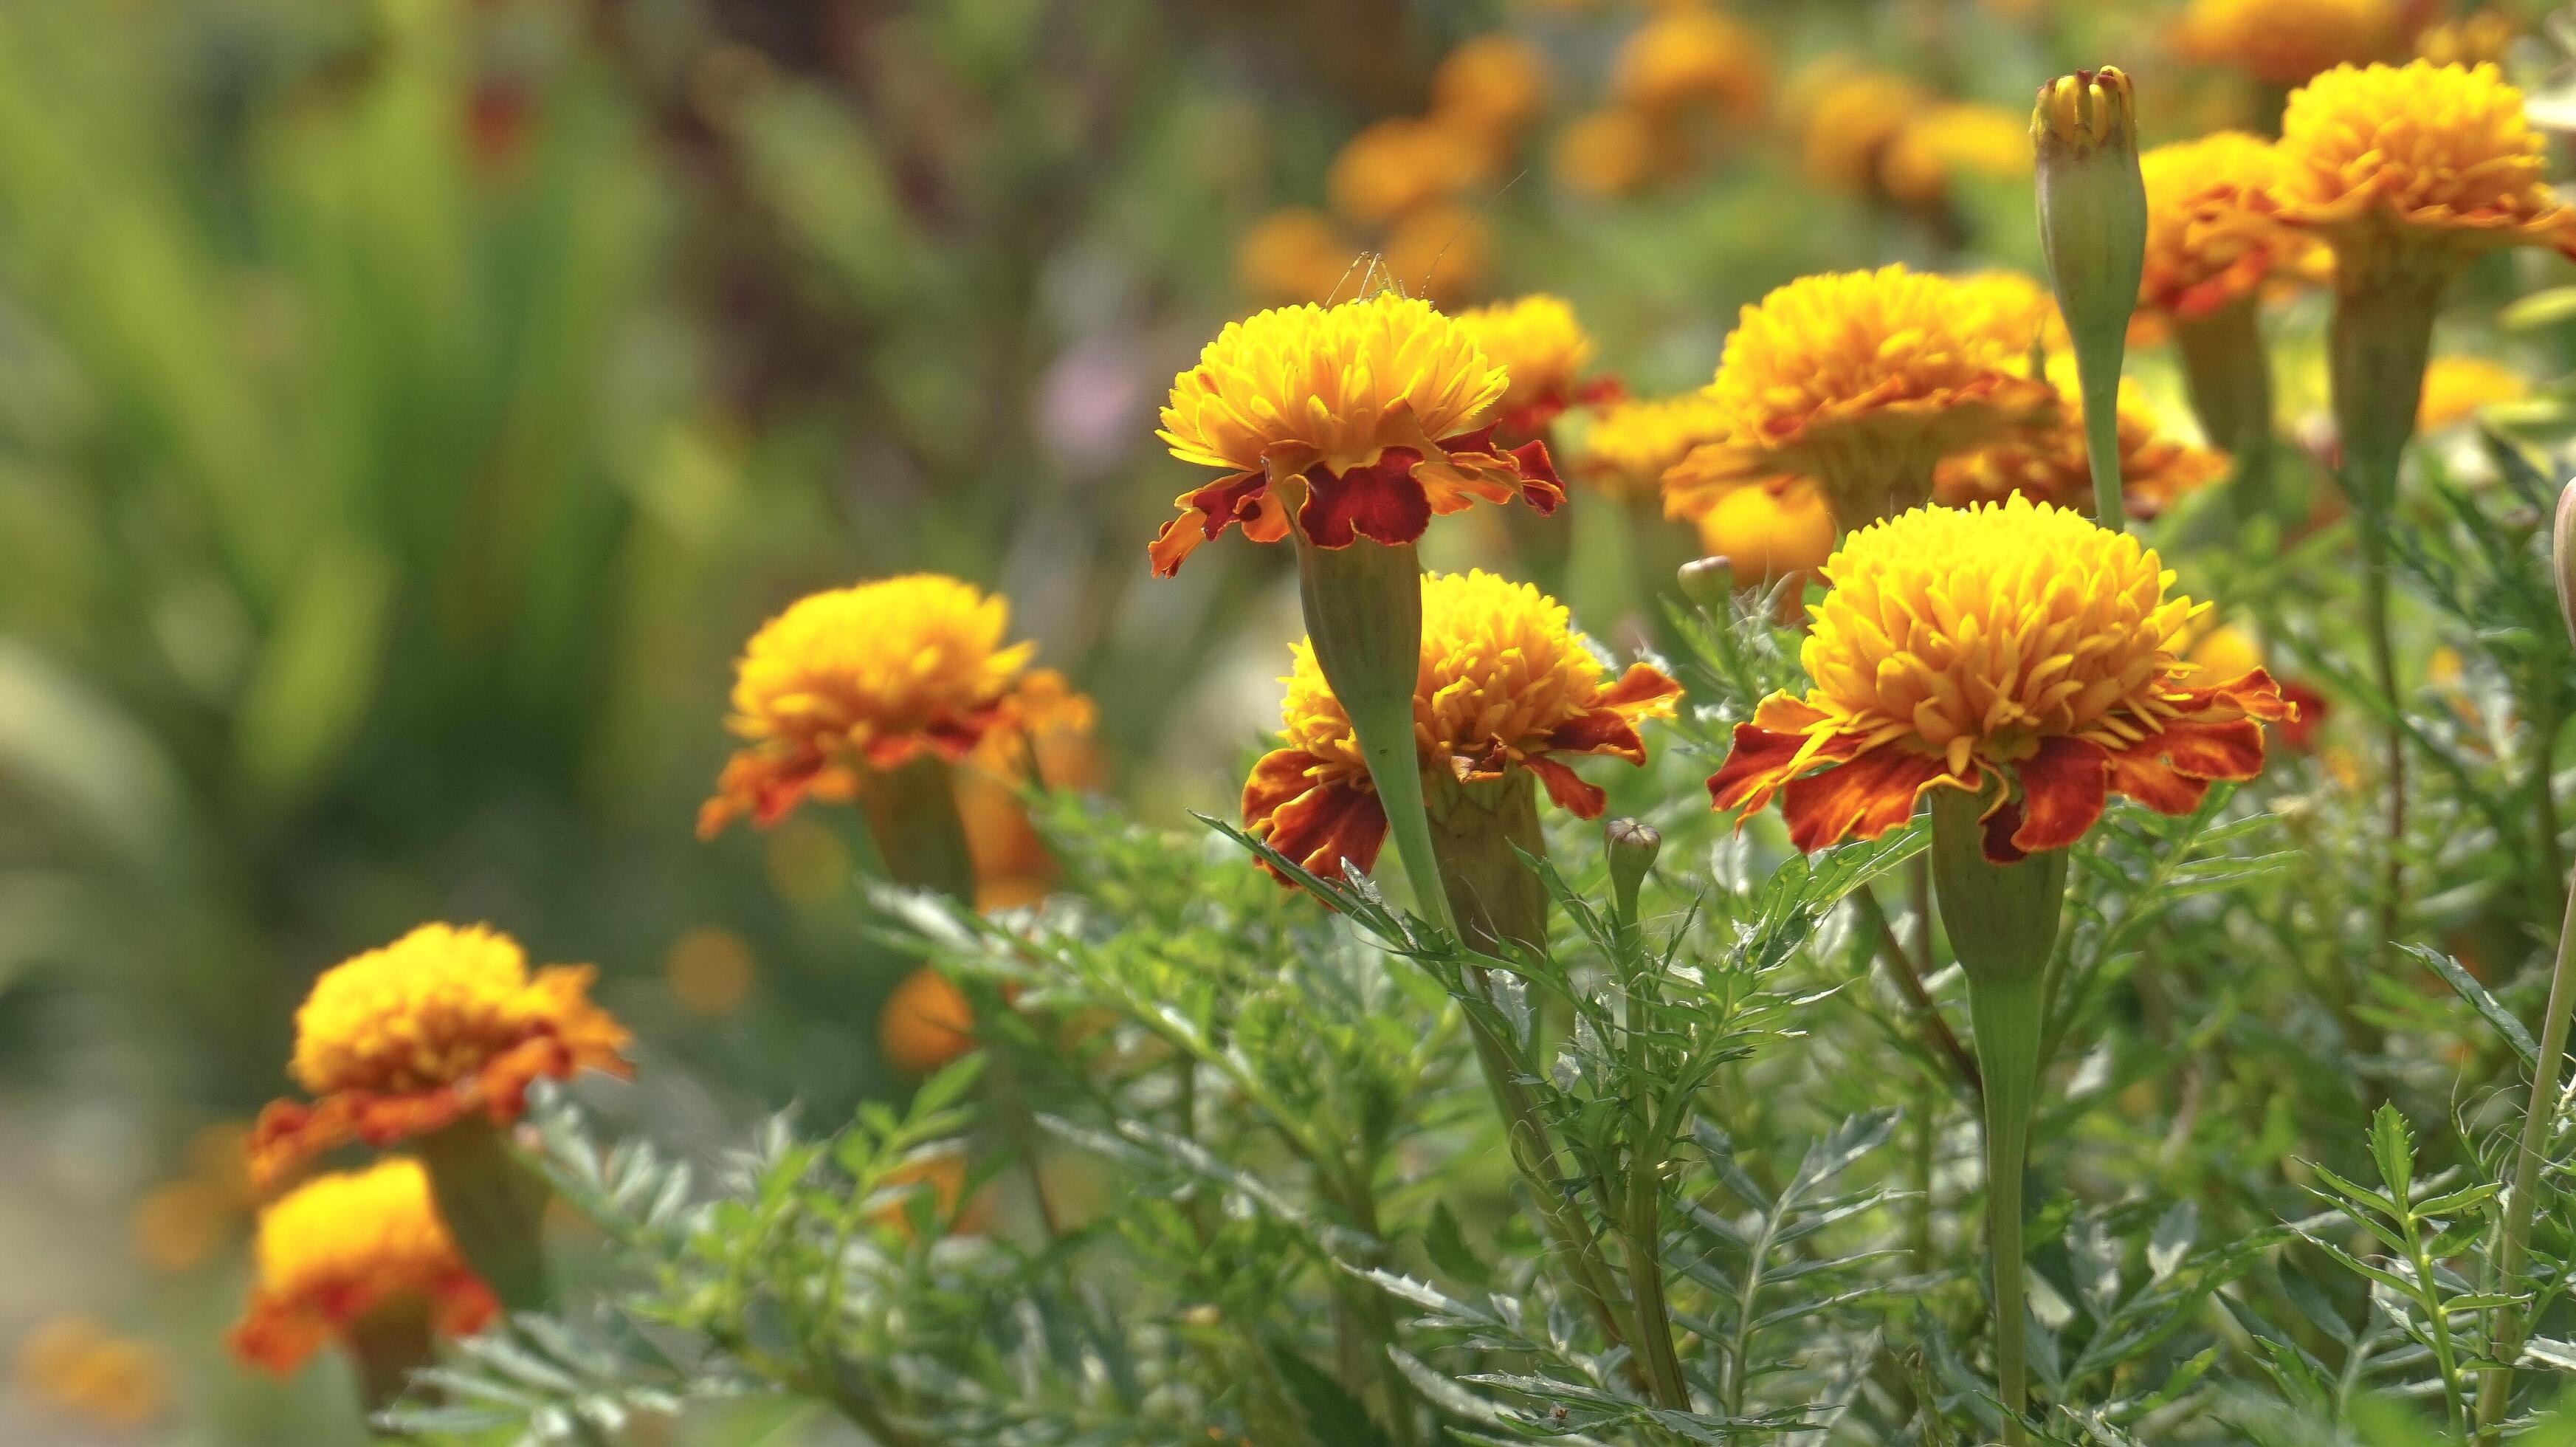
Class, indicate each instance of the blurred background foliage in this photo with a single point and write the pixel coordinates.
(408, 406)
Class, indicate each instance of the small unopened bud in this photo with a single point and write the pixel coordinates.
(1709, 582)
(2093, 230)
(1633, 845)
(2562, 556)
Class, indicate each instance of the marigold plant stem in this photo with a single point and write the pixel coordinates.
(2006, 1015)
(2229, 377)
(921, 840)
(494, 1207)
(2097, 366)
(2496, 1389)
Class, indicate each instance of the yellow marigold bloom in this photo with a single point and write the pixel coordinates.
(1504, 684)
(1632, 444)
(1492, 86)
(2020, 309)
(1366, 418)
(2283, 42)
(2479, 38)
(83, 1367)
(2045, 462)
(2419, 162)
(1608, 153)
(2012, 640)
(1013, 866)
(1847, 121)
(344, 1247)
(1692, 59)
(1402, 163)
(1293, 254)
(865, 679)
(1541, 347)
(1863, 380)
(1961, 138)
(2458, 388)
(439, 1025)
(1769, 531)
(1441, 252)
(2211, 241)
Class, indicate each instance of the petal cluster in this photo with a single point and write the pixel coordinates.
(1632, 444)
(342, 1247)
(2211, 240)
(2015, 643)
(443, 1023)
(2046, 462)
(864, 679)
(1542, 348)
(1365, 419)
(1505, 684)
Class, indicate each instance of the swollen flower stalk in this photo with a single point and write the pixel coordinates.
(2093, 230)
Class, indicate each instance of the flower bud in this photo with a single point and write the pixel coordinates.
(1632, 845)
(1709, 582)
(2562, 556)
(2093, 230)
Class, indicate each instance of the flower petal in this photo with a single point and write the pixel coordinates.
(1243, 498)
(2063, 789)
(1318, 824)
(1567, 788)
(1382, 502)
(1862, 799)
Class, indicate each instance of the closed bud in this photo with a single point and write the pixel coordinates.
(1709, 582)
(2093, 230)
(1633, 845)
(2562, 556)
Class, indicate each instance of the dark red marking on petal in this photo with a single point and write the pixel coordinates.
(1382, 503)
(1862, 799)
(2063, 789)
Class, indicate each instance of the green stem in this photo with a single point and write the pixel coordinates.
(2496, 1389)
(494, 1207)
(2005, 1012)
(921, 842)
(388, 1344)
(2229, 377)
(1641, 1223)
(2097, 370)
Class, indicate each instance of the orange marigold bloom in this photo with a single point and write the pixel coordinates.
(2283, 42)
(2211, 241)
(1769, 531)
(926, 1023)
(1863, 380)
(343, 1247)
(442, 1024)
(1608, 153)
(2013, 642)
(1293, 254)
(2419, 162)
(1492, 86)
(1962, 138)
(1358, 420)
(861, 680)
(1692, 59)
(1400, 164)
(2046, 462)
(1505, 684)
(2458, 388)
(1541, 347)
(1847, 122)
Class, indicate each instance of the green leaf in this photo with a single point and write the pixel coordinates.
(2466, 986)
(1446, 1244)
(1332, 1415)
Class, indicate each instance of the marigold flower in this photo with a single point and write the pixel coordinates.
(1770, 530)
(2481, 37)
(1631, 444)
(1692, 59)
(1863, 380)
(1441, 252)
(2019, 308)
(2211, 241)
(82, 1367)
(2392, 164)
(1541, 347)
(1949, 141)
(1365, 418)
(442, 1025)
(2010, 639)
(343, 1247)
(1505, 684)
(1608, 153)
(2046, 461)
(2283, 42)
(860, 681)
(926, 1023)
(1293, 254)
(1492, 86)
(2459, 388)
(1400, 164)
(1848, 120)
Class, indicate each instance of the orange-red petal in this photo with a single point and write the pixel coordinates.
(1862, 799)
(1383, 503)
(1242, 497)
(2063, 788)
(1567, 788)
(1319, 824)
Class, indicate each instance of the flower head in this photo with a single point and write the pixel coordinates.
(1401, 164)
(1848, 120)
(2458, 388)
(2211, 241)
(1863, 380)
(1688, 59)
(1612, 152)
(1960, 138)
(1492, 86)
(2480, 37)
(2283, 42)
(1632, 444)
(1769, 531)
(2414, 163)
(2013, 643)
(860, 680)
(1505, 684)
(442, 1024)
(1364, 418)
(343, 1247)
(2045, 462)
(1539, 344)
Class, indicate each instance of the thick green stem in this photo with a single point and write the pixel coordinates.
(921, 841)
(387, 1345)
(1631, 848)
(2005, 1012)
(494, 1207)
(2097, 369)
(2229, 377)
(1478, 833)
(2496, 1389)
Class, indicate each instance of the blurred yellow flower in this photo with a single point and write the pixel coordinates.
(2210, 242)
(861, 680)
(442, 1024)
(1539, 344)
(925, 1024)
(1847, 120)
(2456, 389)
(2222, 651)
(1441, 252)
(1369, 418)
(2020, 309)
(1294, 254)
(1491, 87)
(709, 970)
(1401, 164)
(1769, 530)
(341, 1249)
(2045, 461)
(1631, 445)
(81, 1367)
(1688, 58)
(1862, 381)
(1607, 153)
(1504, 684)
(2480, 37)
(1959, 138)
(2283, 42)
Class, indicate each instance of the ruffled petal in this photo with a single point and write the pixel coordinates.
(1861, 799)
(2063, 789)
(1383, 502)
(1760, 761)
(1206, 512)
(2152, 782)
(1644, 691)
(1567, 788)
(1318, 824)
